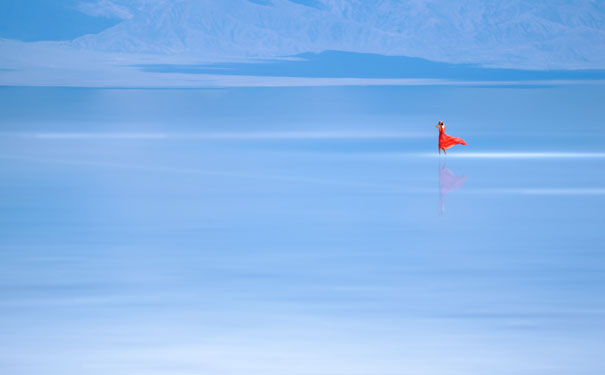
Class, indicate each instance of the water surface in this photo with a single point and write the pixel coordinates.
(302, 231)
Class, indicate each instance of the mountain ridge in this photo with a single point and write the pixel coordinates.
(556, 34)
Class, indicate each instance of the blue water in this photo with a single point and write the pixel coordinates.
(341, 64)
(302, 231)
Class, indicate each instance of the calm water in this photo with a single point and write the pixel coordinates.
(302, 231)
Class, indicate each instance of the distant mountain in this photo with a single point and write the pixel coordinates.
(511, 33)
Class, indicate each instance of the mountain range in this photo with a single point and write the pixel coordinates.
(514, 33)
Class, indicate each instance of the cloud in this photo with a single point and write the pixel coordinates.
(105, 8)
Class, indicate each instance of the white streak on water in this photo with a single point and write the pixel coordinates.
(487, 155)
(394, 188)
(548, 191)
(307, 135)
(566, 191)
(524, 155)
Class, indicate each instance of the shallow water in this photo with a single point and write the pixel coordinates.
(302, 231)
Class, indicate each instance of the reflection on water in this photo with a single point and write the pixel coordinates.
(448, 181)
(295, 255)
